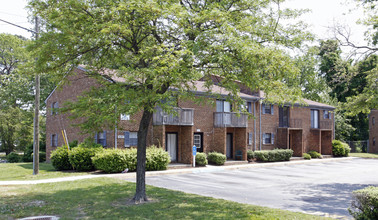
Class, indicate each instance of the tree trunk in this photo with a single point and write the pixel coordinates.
(140, 194)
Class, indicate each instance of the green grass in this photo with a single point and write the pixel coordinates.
(363, 155)
(3, 156)
(108, 198)
(24, 171)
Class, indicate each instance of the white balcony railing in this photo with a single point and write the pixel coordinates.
(230, 119)
(182, 116)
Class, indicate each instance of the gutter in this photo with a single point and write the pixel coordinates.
(254, 126)
(260, 125)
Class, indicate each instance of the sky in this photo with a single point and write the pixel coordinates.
(324, 14)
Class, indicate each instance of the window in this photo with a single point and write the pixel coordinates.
(373, 120)
(249, 107)
(131, 139)
(54, 140)
(267, 109)
(197, 140)
(268, 138)
(250, 138)
(223, 106)
(314, 118)
(325, 114)
(54, 108)
(125, 117)
(373, 141)
(100, 138)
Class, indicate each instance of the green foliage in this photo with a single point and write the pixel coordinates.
(250, 155)
(88, 143)
(365, 203)
(340, 149)
(157, 158)
(274, 155)
(80, 158)
(216, 158)
(306, 156)
(60, 160)
(13, 157)
(27, 157)
(74, 143)
(315, 154)
(201, 159)
(358, 150)
(115, 160)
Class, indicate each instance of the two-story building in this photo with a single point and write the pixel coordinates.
(373, 131)
(209, 127)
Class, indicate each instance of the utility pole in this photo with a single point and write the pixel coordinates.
(36, 112)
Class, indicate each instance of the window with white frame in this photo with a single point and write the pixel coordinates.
(54, 108)
(325, 114)
(223, 106)
(100, 138)
(314, 118)
(250, 138)
(268, 138)
(131, 139)
(249, 107)
(267, 109)
(197, 140)
(54, 140)
(125, 117)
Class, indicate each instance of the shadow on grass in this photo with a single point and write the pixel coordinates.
(42, 166)
(107, 198)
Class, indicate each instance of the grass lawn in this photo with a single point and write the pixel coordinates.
(24, 171)
(107, 198)
(364, 155)
(3, 156)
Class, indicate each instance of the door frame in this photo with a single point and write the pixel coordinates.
(232, 145)
(166, 143)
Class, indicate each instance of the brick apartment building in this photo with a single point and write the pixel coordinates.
(373, 131)
(209, 127)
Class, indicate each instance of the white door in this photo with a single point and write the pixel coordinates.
(172, 146)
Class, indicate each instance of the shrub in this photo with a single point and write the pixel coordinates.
(157, 158)
(13, 157)
(80, 158)
(273, 155)
(365, 203)
(250, 155)
(60, 160)
(201, 159)
(42, 156)
(306, 156)
(340, 149)
(88, 143)
(73, 143)
(115, 160)
(315, 154)
(358, 150)
(27, 157)
(216, 158)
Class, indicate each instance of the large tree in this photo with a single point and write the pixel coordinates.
(161, 47)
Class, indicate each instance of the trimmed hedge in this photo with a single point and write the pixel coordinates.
(306, 156)
(157, 158)
(13, 157)
(340, 149)
(216, 158)
(250, 155)
(315, 154)
(365, 203)
(80, 158)
(115, 160)
(60, 160)
(201, 159)
(273, 155)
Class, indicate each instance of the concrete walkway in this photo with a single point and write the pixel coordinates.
(207, 169)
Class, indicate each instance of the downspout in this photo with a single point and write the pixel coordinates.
(334, 137)
(115, 130)
(254, 125)
(260, 125)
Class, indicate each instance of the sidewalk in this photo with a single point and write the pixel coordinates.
(207, 169)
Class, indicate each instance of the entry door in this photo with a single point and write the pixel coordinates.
(171, 146)
(284, 117)
(198, 141)
(229, 146)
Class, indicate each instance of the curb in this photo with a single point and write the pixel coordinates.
(207, 169)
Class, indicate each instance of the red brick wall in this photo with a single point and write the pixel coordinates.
(373, 131)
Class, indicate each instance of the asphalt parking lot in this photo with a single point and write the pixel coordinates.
(316, 188)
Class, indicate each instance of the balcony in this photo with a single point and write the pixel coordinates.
(181, 116)
(291, 123)
(326, 125)
(230, 119)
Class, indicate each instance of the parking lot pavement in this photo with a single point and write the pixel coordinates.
(317, 188)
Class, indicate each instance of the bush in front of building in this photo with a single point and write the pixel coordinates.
(59, 159)
(157, 158)
(80, 158)
(340, 149)
(115, 160)
(201, 159)
(315, 154)
(13, 157)
(216, 158)
(87, 143)
(306, 156)
(273, 155)
(365, 203)
(250, 155)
